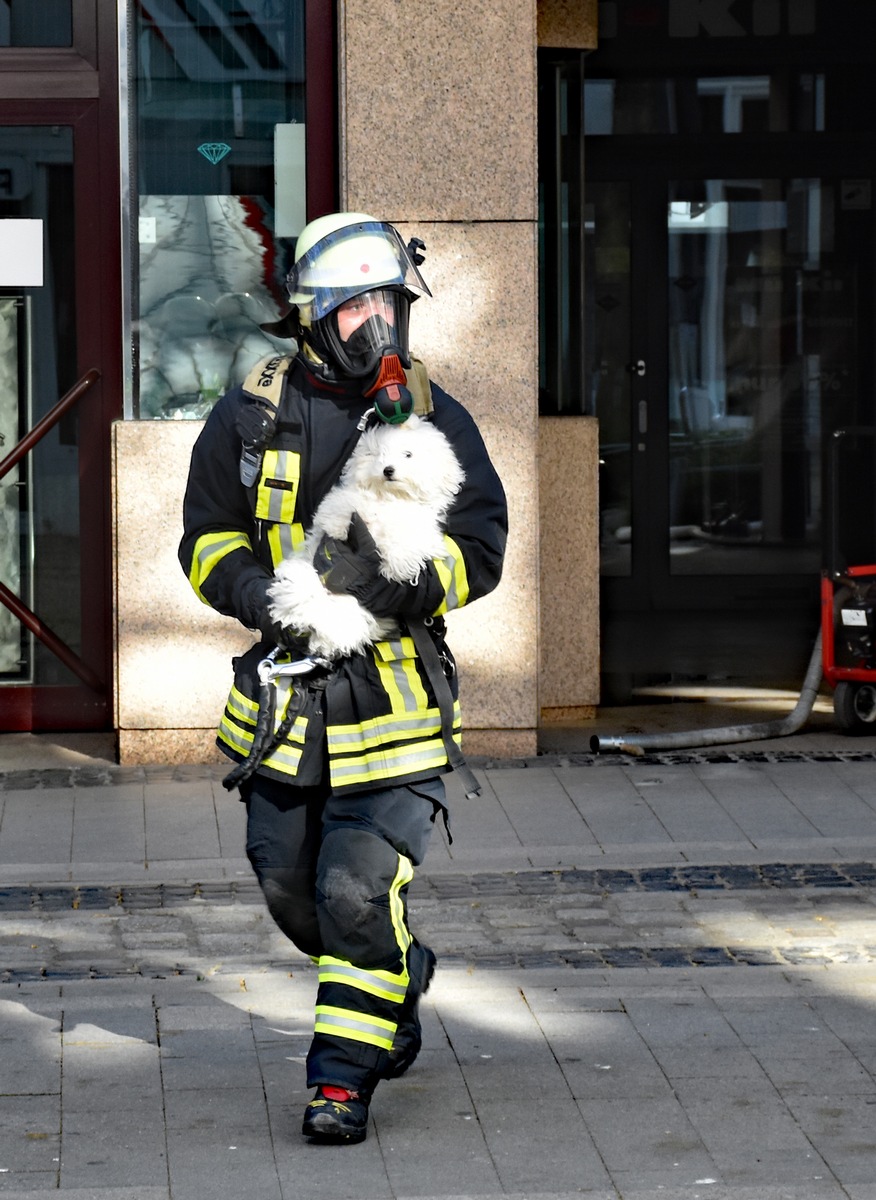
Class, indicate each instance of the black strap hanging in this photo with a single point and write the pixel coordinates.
(429, 657)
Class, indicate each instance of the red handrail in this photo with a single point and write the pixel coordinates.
(60, 649)
(51, 418)
(19, 610)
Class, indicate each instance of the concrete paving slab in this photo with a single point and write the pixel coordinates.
(647, 1143)
(30, 1133)
(541, 812)
(714, 1057)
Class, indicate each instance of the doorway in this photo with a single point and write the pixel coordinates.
(60, 373)
(707, 264)
(54, 619)
(726, 317)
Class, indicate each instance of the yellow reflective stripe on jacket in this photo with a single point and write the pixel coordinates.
(276, 497)
(390, 764)
(376, 983)
(241, 706)
(285, 758)
(284, 540)
(454, 579)
(277, 488)
(345, 1023)
(392, 728)
(211, 548)
(400, 678)
(237, 729)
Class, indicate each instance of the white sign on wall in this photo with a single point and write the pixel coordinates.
(21, 253)
(290, 195)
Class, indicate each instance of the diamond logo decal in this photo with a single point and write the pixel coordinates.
(214, 152)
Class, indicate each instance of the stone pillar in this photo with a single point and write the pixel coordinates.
(438, 135)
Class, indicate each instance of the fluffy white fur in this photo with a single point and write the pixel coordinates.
(401, 480)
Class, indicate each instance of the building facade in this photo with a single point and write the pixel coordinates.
(160, 157)
(649, 233)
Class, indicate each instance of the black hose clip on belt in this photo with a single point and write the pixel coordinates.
(434, 667)
(265, 739)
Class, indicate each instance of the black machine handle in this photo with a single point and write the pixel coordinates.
(835, 563)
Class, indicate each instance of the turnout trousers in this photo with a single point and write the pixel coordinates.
(334, 871)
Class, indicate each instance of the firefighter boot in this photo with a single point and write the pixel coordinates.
(408, 1036)
(336, 1114)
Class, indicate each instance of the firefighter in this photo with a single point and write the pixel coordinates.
(341, 767)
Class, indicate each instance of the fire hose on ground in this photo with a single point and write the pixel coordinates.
(636, 744)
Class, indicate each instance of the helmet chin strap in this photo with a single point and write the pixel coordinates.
(393, 403)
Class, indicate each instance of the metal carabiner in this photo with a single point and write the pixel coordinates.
(268, 669)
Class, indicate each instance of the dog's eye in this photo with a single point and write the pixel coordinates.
(408, 454)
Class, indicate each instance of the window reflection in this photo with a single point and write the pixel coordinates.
(707, 105)
(762, 318)
(36, 22)
(218, 127)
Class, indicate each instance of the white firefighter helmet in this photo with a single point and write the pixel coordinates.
(343, 256)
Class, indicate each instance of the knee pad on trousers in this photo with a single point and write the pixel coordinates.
(290, 902)
(356, 876)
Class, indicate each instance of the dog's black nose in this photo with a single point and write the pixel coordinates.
(389, 472)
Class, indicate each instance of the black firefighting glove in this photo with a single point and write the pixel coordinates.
(353, 566)
(257, 616)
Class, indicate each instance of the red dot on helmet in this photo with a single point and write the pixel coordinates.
(365, 268)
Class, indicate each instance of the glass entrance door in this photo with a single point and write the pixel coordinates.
(725, 318)
(54, 591)
(763, 320)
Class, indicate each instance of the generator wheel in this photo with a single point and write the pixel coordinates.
(854, 706)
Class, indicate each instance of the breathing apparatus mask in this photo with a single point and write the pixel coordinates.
(353, 283)
(352, 286)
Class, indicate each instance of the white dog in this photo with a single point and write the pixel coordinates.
(401, 480)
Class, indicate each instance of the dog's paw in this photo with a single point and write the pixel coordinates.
(295, 594)
(341, 626)
(335, 624)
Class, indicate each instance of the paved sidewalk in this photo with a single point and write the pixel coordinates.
(657, 981)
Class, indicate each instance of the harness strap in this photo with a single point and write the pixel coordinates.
(264, 383)
(420, 388)
(301, 703)
(428, 654)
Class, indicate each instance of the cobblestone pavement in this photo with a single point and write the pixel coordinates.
(612, 1018)
(618, 1035)
(771, 914)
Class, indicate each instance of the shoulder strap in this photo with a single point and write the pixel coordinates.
(420, 388)
(428, 655)
(264, 383)
(257, 422)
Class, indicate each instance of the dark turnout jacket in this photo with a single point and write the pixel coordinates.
(376, 713)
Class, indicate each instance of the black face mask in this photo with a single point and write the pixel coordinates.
(376, 338)
(369, 343)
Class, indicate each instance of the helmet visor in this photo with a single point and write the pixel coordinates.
(349, 261)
